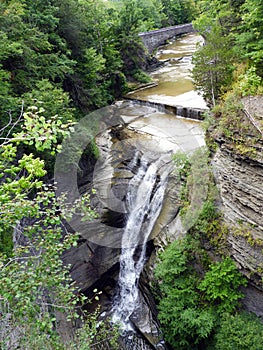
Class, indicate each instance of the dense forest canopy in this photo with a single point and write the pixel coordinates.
(60, 59)
(89, 49)
(86, 48)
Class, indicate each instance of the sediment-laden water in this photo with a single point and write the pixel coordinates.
(175, 86)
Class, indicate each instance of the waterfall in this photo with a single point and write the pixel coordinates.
(180, 111)
(144, 202)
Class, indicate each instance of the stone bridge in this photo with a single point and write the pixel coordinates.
(155, 38)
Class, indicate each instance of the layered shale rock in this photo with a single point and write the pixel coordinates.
(240, 180)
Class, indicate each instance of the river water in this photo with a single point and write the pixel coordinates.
(144, 199)
(155, 134)
(175, 86)
(137, 195)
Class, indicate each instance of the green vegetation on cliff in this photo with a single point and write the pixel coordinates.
(232, 55)
(199, 297)
(197, 283)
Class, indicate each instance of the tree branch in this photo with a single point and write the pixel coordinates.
(13, 126)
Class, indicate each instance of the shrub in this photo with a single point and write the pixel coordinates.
(221, 284)
(192, 300)
(239, 332)
(141, 77)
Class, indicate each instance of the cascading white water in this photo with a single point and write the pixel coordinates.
(144, 201)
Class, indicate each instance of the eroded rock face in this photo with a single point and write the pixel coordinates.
(240, 180)
(96, 265)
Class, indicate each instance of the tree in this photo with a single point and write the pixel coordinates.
(52, 99)
(241, 332)
(34, 50)
(37, 294)
(88, 28)
(183, 322)
(250, 38)
(178, 11)
(220, 285)
(187, 316)
(233, 35)
(152, 14)
(33, 281)
(214, 66)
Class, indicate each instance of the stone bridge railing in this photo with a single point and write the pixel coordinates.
(155, 38)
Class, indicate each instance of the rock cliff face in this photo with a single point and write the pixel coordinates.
(97, 266)
(240, 180)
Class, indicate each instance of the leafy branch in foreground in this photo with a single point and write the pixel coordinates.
(39, 302)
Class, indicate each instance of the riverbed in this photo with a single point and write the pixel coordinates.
(137, 194)
(175, 86)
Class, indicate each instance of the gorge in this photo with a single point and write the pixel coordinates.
(131, 213)
(138, 200)
(128, 161)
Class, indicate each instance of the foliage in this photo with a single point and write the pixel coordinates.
(182, 164)
(34, 283)
(233, 125)
(195, 173)
(33, 49)
(196, 295)
(95, 334)
(32, 277)
(213, 66)
(87, 48)
(51, 99)
(178, 12)
(89, 29)
(208, 219)
(250, 37)
(249, 83)
(221, 284)
(153, 14)
(139, 16)
(241, 332)
(210, 225)
(40, 132)
(141, 77)
(187, 316)
(36, 291)
(233, 35)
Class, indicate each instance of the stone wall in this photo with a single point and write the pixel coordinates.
(155, 38)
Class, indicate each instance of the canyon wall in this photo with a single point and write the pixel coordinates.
(240, 179)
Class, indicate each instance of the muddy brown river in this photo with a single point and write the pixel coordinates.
(175, 86)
